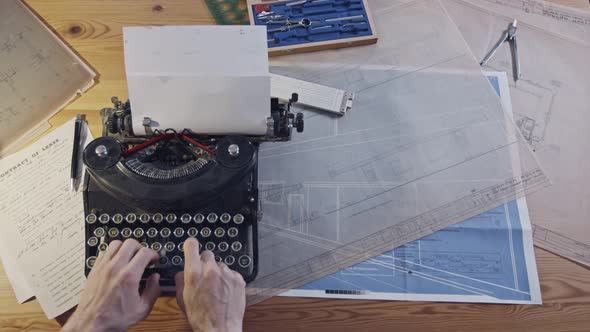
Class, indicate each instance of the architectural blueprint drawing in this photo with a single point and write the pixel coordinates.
(566, 21)
(550, 104)
(488, 258)
(427, 145)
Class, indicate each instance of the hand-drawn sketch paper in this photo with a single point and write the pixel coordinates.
(39, 75)
(427, 145)
(487, 259)
(550, 104)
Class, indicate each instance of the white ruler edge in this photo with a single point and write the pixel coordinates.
(313, 95)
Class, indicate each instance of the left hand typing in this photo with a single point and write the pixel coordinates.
(111, 300)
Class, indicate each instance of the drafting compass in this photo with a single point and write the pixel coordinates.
(510, 37)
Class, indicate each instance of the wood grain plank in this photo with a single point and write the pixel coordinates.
(566, 296)
(93, 29)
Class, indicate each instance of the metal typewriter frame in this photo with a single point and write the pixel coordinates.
(117, 130)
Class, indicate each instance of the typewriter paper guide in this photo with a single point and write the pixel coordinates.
(210, 79)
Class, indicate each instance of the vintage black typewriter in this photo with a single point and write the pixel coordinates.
(163, 188)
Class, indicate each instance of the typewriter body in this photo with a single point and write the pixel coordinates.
(163, 188)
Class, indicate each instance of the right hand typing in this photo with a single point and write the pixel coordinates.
(212, 296)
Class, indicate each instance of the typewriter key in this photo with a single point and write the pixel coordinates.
(229, 260)
(163, 260)
(211, 217)
(236, 246)
(219, 232)
(158, 217)
(92, 241)
(192, 232)
(113, 232)
(138, 232)
(232, 232)
(157, 246)
(178, 232)
(90, 261)
(118, 218)
(99, 232)
(126, 232)
(104, 218)
(238, 218)
(165, 232)
(145, 245)
(218, 259)
(176, 260)
(205, 232)
(210, 246)
(199, 218)
(186, 218)
(171, 218)
(144, 218)
(244, 261)
(181, 246)
(169, 246)
(103, 246)
(131, 218)
(223, 246)
(152, 232)
(225, 218)
(91, 218)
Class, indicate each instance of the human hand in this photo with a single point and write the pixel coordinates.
(212, 296)
(111, 300)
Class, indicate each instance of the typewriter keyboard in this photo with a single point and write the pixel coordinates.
(228, 236)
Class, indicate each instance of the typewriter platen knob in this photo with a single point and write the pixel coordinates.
(299, 122)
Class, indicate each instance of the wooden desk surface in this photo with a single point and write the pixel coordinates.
(93, 29)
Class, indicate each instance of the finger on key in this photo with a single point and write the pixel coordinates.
(111, 251)
(141, 260)
(207, 257)
(192, 261)
(129, 248)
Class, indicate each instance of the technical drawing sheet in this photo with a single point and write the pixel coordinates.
(488, 258)
(569, 23)
(426, 145)
(39, 75)
(550, 104)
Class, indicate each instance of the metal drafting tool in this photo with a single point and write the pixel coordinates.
(304, 23)
(302, 2)
(344, 18)
(510, 37)
(323, 27)
(354, 24)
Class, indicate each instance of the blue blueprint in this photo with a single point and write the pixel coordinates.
(488, 258)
